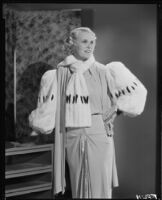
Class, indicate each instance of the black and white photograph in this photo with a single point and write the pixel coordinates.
(81, 101)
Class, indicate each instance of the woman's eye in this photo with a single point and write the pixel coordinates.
(84, 41)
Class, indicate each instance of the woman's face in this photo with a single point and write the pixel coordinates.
(84, 45)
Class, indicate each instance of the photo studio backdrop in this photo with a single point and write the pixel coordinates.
(126, 33)
(34, 44)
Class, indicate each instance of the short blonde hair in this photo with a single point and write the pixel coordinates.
(74, 33)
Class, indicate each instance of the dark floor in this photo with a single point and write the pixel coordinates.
(66, 195)
(46, 195)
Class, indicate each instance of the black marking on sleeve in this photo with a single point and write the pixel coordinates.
(52, 97)
(44, 99)
(133, 88)
(81, 99)
(68, 98)
(75, 98)
(119, 93)
(128, 89)
(116, 95)
(135, 83)
(123, 92)
(85, 99)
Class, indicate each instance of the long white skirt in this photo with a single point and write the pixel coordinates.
(91, 159)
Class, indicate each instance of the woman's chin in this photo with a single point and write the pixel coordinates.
(83, 57)
(86, 57)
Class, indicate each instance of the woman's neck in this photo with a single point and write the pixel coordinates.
(79, 58)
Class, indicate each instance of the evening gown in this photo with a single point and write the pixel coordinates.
(90, 152)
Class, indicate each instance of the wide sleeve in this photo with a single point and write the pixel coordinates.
(42, 119)
(126, 89)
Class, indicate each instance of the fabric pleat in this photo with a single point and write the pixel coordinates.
(91, 160)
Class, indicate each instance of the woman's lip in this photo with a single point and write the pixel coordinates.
(87, 51)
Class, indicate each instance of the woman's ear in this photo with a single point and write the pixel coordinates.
(68, 46)
(71, 41)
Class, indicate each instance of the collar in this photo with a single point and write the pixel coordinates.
(78, 65)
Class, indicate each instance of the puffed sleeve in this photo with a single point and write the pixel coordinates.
(126, 89)
(42, 119)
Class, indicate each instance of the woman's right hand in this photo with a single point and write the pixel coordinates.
(34, 133)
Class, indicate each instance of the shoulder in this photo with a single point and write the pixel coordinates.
(48, 77)
(100, 66)
(49, 74)
(107, 68)
(119, 70)
(113, 64)
(116, 65)
(113, 70)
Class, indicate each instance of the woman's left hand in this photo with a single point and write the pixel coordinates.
(111, 121)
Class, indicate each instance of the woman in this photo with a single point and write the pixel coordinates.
(80, 100)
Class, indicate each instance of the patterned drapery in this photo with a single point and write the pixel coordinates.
(38, 37)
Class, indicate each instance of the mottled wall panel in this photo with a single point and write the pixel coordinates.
(41, 35)
(10, 42)
(40, 45)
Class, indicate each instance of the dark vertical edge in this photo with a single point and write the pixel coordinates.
(87, 18)
(15, 77)
(2, 110)
(159, 100)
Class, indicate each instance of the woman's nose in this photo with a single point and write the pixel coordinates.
(89, 46)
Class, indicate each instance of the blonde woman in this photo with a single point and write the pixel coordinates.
(80, 100)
